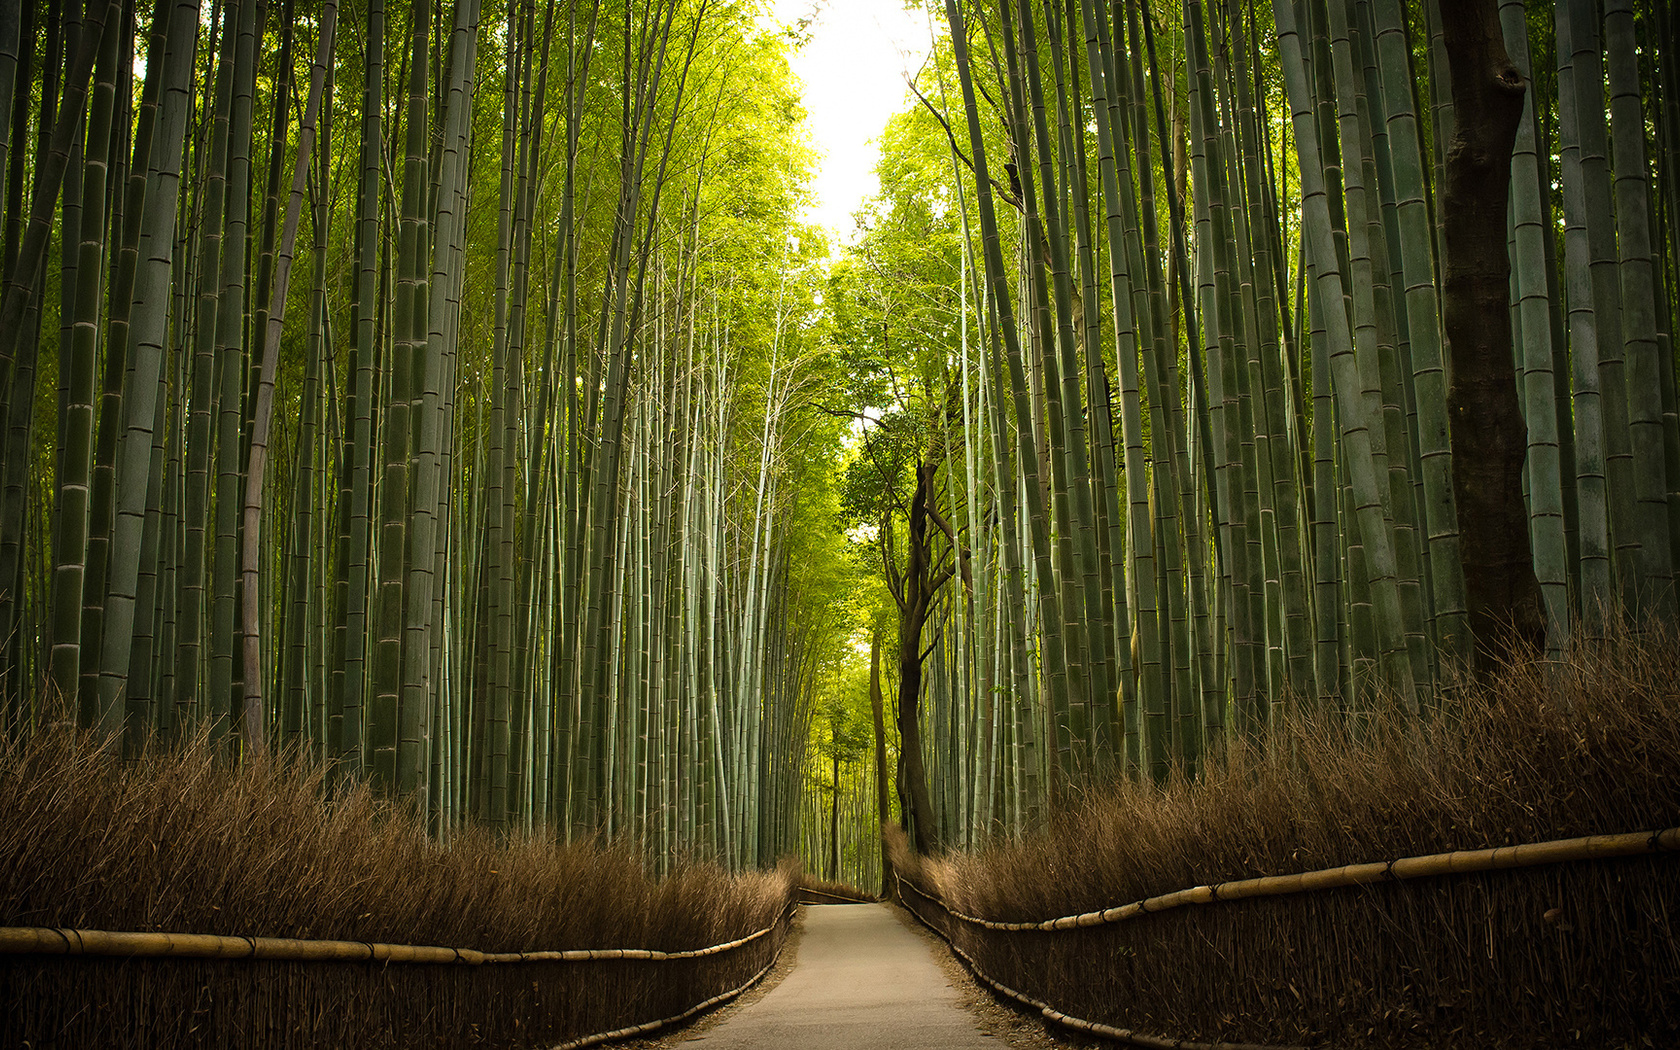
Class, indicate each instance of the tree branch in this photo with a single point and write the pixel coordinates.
(839, 413)
(950, 534)
(1002, 191)
(895, 580)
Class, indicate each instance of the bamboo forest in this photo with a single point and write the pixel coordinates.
(457, 497)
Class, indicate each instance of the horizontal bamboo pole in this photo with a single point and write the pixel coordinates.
(1462, 862)
(1050, 1013)
(48, 940)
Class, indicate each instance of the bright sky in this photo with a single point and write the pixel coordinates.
(853, 70)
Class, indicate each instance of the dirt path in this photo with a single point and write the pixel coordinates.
(862, 981)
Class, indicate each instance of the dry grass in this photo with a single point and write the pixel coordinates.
(824, 891)
(1580, 954)
(175, 843)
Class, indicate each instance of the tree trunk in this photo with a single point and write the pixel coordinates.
(910, 734)
(883, 798)
(912, 616)
(834, 814)
(1488, 435)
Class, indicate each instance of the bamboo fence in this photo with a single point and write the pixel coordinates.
(52, 941)
(1459, 862)
(1050, 1013)
(693, 1011)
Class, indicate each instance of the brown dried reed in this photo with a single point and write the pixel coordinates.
(1579, 954)
(813, 890)
(178, 843)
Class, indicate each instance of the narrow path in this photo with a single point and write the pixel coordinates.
(862, 982)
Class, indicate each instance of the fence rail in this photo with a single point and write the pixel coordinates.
(50, 940)
(1461, 862)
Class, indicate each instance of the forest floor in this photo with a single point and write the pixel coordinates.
(866, 977)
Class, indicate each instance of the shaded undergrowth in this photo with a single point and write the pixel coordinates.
(178, 843)
(1574, 954)
(828, 891)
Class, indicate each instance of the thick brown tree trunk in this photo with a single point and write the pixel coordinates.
(1488, 436)
(913, 608)
(910, 737)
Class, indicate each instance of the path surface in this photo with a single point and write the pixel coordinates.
(861, 982)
